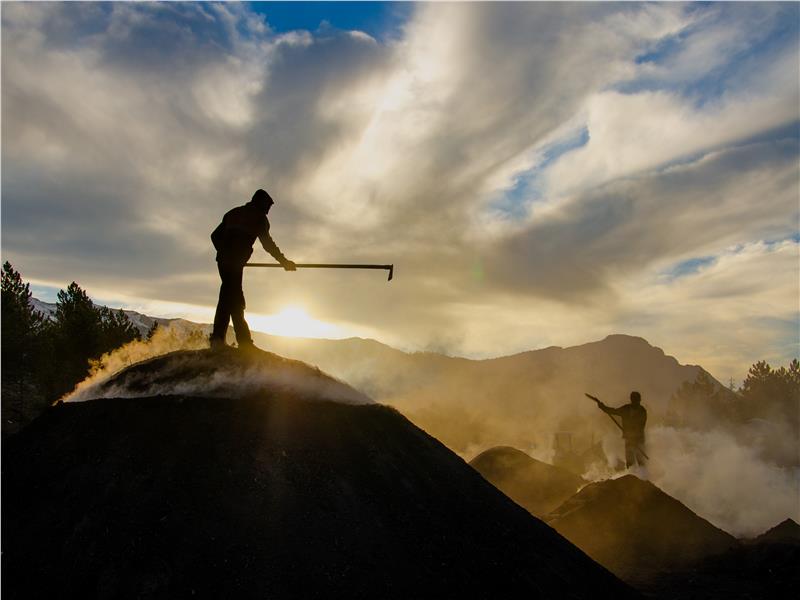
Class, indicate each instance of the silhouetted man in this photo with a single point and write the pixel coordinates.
(234, 239)
(634, 417)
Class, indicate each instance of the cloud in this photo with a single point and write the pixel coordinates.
(129, 129)
(747, 296)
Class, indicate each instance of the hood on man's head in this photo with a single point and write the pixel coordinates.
(262, 199)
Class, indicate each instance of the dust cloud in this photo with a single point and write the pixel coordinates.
(165, 339)
(182, 372)
(723, 479)
(739, 479)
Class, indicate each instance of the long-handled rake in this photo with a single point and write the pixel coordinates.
(389, 268)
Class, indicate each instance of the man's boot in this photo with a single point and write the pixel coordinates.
(248, 346)
(218, 344)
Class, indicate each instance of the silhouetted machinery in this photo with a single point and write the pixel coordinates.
(567, 457)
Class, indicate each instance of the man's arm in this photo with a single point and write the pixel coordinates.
(603, 407)
(272, 248)
(610, 409)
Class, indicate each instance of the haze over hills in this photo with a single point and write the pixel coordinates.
(240, 477)
(519, 401)
(471, 405)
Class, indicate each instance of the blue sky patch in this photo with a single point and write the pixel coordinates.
(527, 187)
(689, 267)
(779, 35)
(45, 293)
(381, 20)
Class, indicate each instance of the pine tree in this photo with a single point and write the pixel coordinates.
(152, 331)
(116, 329)
(772, 393)
(76, 337)
(702, 403)
(21, 341)
(84, 332)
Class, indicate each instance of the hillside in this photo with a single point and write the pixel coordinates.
(536, 486)
(269, 490)
(635, 529)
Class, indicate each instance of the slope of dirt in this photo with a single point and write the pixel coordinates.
(787, 531)
(754, 571)
(279, 493)
(535, 485)
(635, 529)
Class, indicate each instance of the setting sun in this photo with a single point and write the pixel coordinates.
(293, 321)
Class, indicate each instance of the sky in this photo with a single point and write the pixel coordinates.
(539, 173)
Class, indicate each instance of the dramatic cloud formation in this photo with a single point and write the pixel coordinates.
(538, 173)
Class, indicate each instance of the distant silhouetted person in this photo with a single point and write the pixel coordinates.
(634, 417)
(234, 239)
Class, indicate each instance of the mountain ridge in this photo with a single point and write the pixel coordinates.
(143, 322)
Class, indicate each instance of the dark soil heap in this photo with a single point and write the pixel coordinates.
(535, 485)
(786, 532)
(765, 567)
(277, 494)
(635, 529)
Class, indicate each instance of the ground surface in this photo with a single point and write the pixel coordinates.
(768, 571)
(277, 494)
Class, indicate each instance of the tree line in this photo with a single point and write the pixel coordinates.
(767, 393)
(43, 359)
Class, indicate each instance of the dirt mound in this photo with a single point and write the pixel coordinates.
(787, 532)
(753, 570)
(635, 529)
(535, 485)
(262, 495)
(227, 373)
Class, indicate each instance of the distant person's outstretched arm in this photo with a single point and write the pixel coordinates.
(603, 407)
(272, 248)
(606, 409)
(610, 409)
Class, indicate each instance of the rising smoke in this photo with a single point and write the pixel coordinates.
(207, 374)
(723, 479)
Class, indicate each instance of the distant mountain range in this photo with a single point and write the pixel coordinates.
(142, 322)
(522, 400)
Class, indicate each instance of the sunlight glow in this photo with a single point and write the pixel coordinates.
(293, 321)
